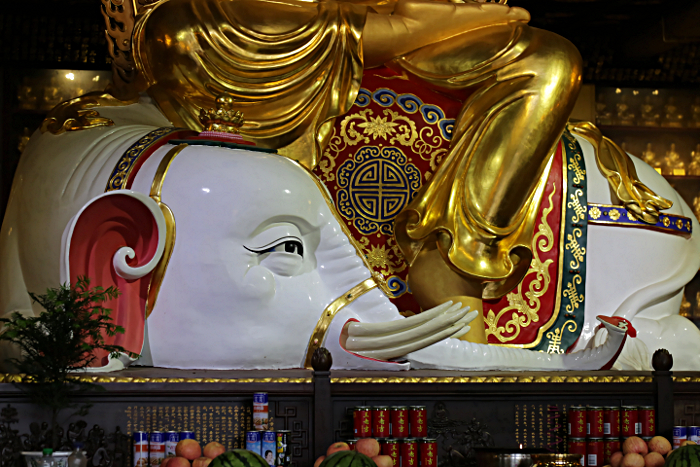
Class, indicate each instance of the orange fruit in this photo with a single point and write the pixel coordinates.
(189, 449)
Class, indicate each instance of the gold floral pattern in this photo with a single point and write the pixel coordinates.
(594, 212)
(378, 127)
(614, 214)
(666, 221)
(386, 261)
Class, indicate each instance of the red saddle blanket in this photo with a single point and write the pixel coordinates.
(382, 152)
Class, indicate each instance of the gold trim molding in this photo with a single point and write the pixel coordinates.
(102, 379)
(497, 379)
(22, 378)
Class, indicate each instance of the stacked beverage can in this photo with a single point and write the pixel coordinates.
(611, 422)
(362, 421)
(253, 441)
(140, 449)
(186, 435)
(351, 443)
(380, 422)
(646, 420)
(577, 421)
(428, 452)
(418, 427)
(284, 452)
(629, 424)
(610, 445)
(594, 422)
(694, 434)
(260, 411)
(390, 447)
(680, 434)
(156, 448)
(409, 452)
(578, 446)
(595, 452)
(268, 447)
(399, 421)
(171, 440)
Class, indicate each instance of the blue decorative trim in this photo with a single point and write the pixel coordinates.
(121, 172)
(409, 103)
(570, 315)
(605, 214)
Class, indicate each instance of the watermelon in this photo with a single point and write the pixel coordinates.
(686, 456)
(347, 459)
(239, 458)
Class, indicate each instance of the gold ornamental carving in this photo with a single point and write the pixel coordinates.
(80, 114)
(524, 312)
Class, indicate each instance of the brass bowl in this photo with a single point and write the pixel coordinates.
(556, 460)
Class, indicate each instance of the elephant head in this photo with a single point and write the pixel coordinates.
(262, 272)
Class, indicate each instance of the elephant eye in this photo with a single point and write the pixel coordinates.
(286, 245)
(289, 246)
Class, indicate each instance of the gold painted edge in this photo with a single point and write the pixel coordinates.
(22, 378)
(496, 379)
(686, 379)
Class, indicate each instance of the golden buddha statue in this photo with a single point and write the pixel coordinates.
(695, 114)
(672, 117)
(649, 156)
(648, 115)
(673, 165)
(696, 209)
(293, 66)
(694, 166)
(623, 116)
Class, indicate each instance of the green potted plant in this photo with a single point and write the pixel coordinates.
(59, 342)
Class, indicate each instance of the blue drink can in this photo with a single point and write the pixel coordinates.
(186, 435)
(140, 449)
(260, 411)
(171, 440)
(156, 448)
(694, 434)
(680, 434)
(269, 447)
(253, 441)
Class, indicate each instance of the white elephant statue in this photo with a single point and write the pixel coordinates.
(252, 269)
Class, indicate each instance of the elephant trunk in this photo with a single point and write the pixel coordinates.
(457, 354)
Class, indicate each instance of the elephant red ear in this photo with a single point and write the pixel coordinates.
(117, 240)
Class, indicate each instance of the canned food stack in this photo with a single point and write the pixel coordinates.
(401, 432)
(596, 432)
(151, 449)
(273, 446)
(685, 433)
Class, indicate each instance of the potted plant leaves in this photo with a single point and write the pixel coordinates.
(61, 342)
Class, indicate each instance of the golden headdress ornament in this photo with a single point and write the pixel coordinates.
(223, 119)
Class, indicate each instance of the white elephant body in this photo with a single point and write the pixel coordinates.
(221, 305)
